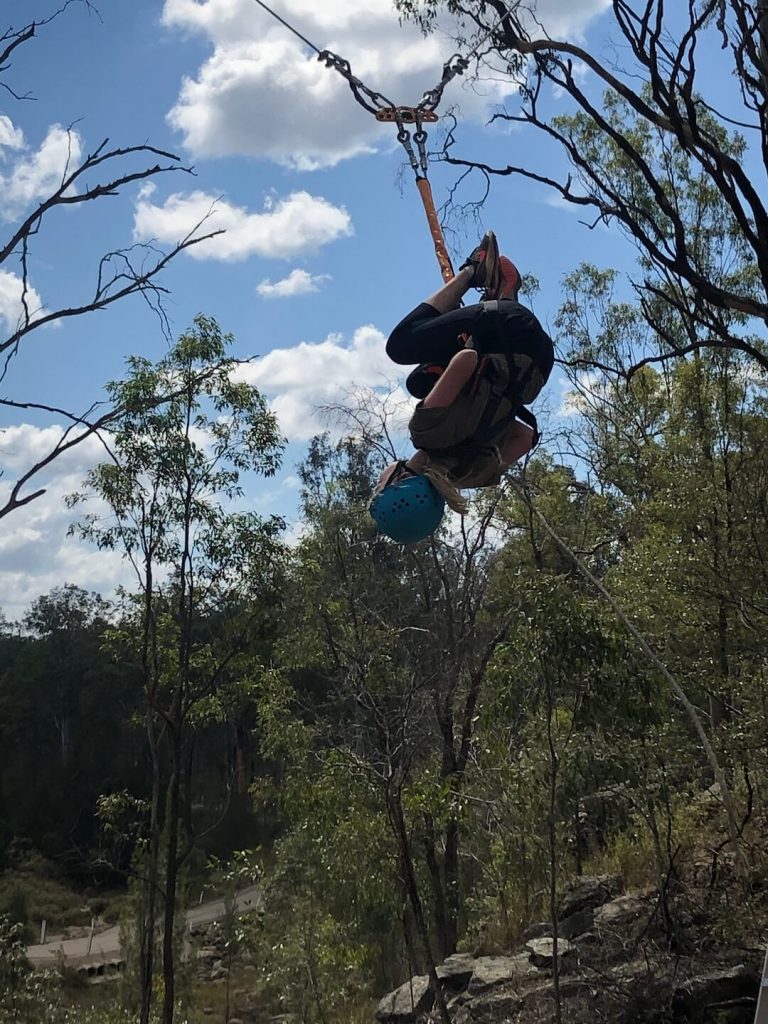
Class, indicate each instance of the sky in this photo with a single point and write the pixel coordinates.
(325, 246)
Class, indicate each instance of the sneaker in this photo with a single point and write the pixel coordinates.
(484, 262)
(507, 284)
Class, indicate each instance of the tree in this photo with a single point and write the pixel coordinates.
(399, 642)
(132, 270)
(637, 155)
(204, 572)
(65, 703)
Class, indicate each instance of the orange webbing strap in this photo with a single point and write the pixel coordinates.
(425, 191)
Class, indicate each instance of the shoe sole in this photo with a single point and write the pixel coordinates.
(492, 277)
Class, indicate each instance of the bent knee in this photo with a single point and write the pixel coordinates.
(398, 347)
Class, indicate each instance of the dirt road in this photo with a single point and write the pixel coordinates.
(106, 945)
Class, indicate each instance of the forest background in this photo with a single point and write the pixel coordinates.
(418, 746)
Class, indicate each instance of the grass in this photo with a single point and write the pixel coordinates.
(32, 892)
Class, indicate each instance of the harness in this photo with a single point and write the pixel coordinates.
(467, 435)
(480, 453)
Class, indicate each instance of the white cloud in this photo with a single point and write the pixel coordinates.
(10, 136)
(566, 18)
(34, 177)
(262, 93)
(36, 554)
(300, 381)
(12, 300)
(298, 282)
(287, 227)
(590, 390)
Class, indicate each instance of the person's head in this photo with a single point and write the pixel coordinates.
(405, 506)
(409, 506)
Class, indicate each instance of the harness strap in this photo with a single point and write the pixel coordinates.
(425, 191)
(529, 420)
(400, 469)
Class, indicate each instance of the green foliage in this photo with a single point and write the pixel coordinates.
(26, 997)
(63, 703)
(32, 890)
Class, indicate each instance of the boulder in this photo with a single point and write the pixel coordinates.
(626, 917)
(720, 986)
(494, 1005)
(495, 970)
(576, 924)
(403, 1005)
(542, 951)
(455, 971)
(537, 931)
(589, 892)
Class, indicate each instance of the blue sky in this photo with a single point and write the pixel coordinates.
(307, 186)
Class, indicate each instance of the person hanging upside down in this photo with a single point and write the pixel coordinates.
(480, 366)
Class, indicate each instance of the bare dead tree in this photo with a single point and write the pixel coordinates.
(122, 272)
(662, 91)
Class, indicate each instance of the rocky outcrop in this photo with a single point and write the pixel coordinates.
(406, 1002)
(614, 965)
(589, 892)
(490, 971)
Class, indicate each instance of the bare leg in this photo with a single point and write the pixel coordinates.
(517, 443)
(451, 294)
(452, 380)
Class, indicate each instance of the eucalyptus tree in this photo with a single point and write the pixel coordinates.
(64, 705)
(205, 571)
(398, 641)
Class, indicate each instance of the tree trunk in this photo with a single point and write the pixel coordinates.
(148, 924)
(451, 874)
(171, 877)
(397, 820)
(438, 892)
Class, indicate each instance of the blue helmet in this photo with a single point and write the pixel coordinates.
(408, 510)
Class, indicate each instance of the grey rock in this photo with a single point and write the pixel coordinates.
(589, 892)
(542, 951)
(569, 989)
(491, 1006)
(495, 970)
(455, 1001)
(455, 971)
(717, 986)
(626, 916)
(412, 998)
(576, 924)
(587, 939)
(537, 931)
